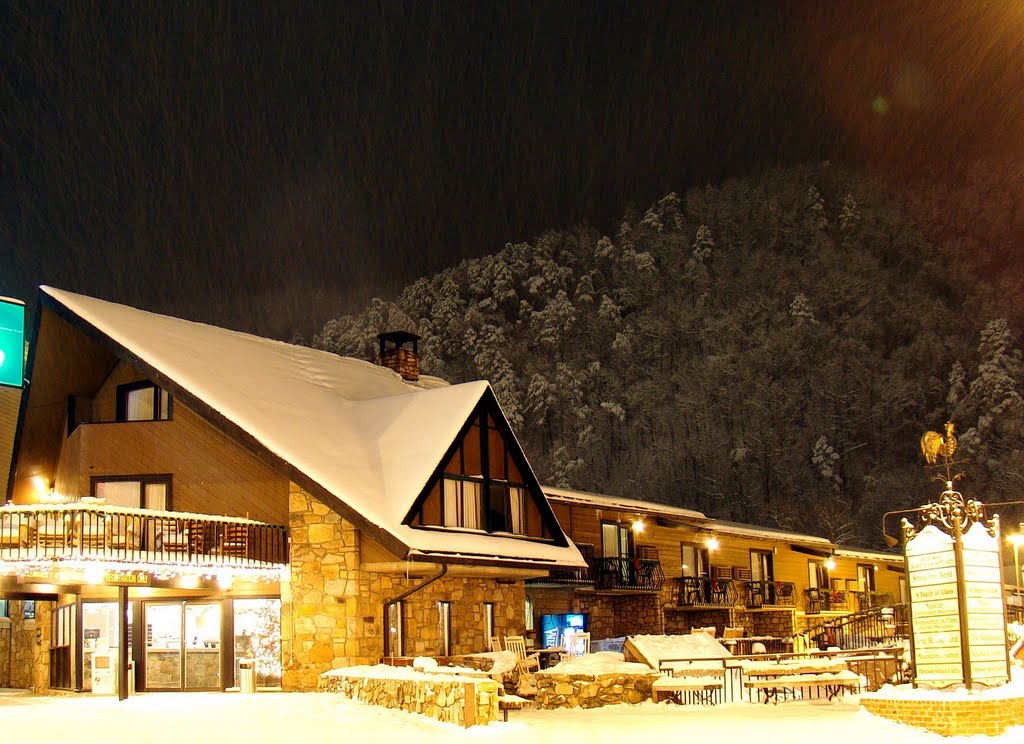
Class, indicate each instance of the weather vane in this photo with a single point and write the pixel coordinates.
(935, 445)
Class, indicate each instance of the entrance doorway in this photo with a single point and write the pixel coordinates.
(183, 650)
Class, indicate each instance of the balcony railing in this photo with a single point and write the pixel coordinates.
(637, 574)
(137, 536)
(705, 591)
(609, 574)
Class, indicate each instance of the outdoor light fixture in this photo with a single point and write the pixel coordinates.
(1016, 540)
(830, 564)
(712, 543)
(638, 525)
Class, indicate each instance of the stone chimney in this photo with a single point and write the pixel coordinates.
(396, 354)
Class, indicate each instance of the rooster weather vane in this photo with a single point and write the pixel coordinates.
(935, 445)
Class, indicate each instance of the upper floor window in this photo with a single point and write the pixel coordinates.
(142, 401)
(481, 487)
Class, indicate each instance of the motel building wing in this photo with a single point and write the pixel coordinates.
(186, 501)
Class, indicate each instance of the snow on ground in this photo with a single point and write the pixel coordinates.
(174, 718)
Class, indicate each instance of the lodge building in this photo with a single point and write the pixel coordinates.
(209, 496)
(185, 499)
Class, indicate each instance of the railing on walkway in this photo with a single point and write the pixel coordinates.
(120, 534)
(874, 626)
(874, 666)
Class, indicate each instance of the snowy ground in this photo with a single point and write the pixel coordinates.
(323, 717)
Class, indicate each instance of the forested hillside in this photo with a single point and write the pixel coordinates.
(769, 350)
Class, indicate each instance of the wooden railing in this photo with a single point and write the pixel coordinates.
(124, 535)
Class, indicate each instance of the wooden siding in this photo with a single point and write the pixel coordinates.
(211, 474)
(583, 525)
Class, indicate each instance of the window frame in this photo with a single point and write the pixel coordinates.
(165, 479)
(163, 402)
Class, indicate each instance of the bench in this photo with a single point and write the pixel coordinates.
(704, 688)
(508, 702)
(772, 688)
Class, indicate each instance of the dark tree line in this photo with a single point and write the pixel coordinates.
(769, 351)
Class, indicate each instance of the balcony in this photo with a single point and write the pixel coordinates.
(137, 537)
(705, 591)
(633, 575)
(610, 575)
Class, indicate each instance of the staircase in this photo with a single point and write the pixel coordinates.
(875, 626)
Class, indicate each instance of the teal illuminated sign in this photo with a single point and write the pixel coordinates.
(12, 342)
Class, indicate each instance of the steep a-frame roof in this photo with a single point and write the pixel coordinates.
(353, 433)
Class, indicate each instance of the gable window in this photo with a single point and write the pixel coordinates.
(142, 401)
(481, 485)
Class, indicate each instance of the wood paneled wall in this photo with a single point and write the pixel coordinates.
(583, 525)
(211, 474)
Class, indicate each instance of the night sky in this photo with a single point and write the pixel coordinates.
(269, 166)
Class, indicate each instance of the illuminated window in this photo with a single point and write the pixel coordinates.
(481, 485)
(142, 401)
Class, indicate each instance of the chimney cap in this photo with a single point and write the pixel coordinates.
(398, 337)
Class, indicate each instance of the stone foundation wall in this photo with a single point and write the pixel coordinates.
(30, 645)
(988, 716)
(332, 611)
(452, 701)
(608, 616)
(592, 691)
(5, 652)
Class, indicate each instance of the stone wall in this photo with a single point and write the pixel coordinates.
(30, 644)
(592, 691)
(990, 716)
(450, 700)
(608, 616)
(332, 611)
(5, 652)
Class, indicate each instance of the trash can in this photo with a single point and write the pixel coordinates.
(247, 675)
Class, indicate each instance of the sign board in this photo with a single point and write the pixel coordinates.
(12, 342)
(935, 608)
(986, 624)
(956, 607)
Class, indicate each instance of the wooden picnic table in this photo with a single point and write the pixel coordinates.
(775, 681)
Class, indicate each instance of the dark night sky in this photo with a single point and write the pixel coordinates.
(269, 166)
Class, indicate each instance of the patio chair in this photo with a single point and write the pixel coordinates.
(14, 533)
(730, 633)
(525, 663)
(495, 644)
(52, 531)
(577, 644)
(121, 533)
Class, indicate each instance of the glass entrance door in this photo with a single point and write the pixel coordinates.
(182, 645)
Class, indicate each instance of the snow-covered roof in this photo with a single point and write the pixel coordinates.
(768, 533)
(357, 430)
(869, 555)
(602, 501)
